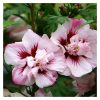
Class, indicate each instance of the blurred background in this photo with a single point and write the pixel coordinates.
(42, 19)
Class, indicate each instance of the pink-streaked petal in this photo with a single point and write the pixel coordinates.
(77, 23)
(30, 39)
(92, 39)
(22, 76)
(46, 79)
(78, 67)
(83, 27)
(15, 53)
(35, 71)
(89, 36)
(49, 45)
(41, 93)
(85, 49)
(57, 63)
(60, 35)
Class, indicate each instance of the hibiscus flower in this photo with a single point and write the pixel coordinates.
(35, 60)
(78, 43)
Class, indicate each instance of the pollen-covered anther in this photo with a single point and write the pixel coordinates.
(73, 49)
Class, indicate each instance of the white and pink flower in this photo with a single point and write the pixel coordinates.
(36, 60)
(78, 43)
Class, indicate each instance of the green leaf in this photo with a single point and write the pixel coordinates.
(89, 12)
(52, 23)
(48, 9)
(62, 87)
(15, 88)
(92, 6)
(89, 22)
(56, 19)
(56, 8)
(8, 68)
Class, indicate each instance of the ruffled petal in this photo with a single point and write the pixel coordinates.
(65, 31)
(85, 49)
(78, 67)
(57, 63)
(60, 35)
(83, 26)
(88, 36)
(49, 45)
(40, 54)
(35, 71)
(79, 24)
(46, 79)
(22, 76)
(30, 40)
(92, 61)
(15, 53)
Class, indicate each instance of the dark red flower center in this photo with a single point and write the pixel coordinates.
(23, 54)
(74, 58)
(33, 50)
(42, 71)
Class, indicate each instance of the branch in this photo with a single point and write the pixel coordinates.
(32, 17)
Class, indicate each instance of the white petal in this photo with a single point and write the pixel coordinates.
(84, 27)
(92, 61)
(44, 80)
(66, 72)
(92, 39)
(22, 76)
(30, 61)
(85, 49)
(80, 67)
(60, 33)
(47, 44)
(30, 39)
(57, 64)
(35, 71)
(15, 53)
(89, 36)
(40, 54)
